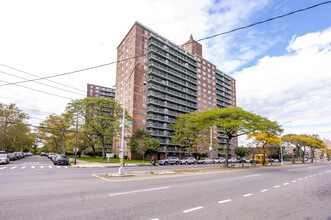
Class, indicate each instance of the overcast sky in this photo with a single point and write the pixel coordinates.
(282, 68)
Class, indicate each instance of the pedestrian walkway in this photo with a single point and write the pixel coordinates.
(32, 167)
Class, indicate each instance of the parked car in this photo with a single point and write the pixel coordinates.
(188, 160)
(169, 160)
(50, 155)
(4, 159)
(61, 160)
(3, 152)
(276, 160)
(239, 160)
(42, 154)
(233, 160)
(12, 156)
(28, 154)
(246, 160)
(258, 158)
(220, 160)
(205, 161)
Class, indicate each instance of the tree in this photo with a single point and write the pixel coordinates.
(99, 116)
(143, 144)
(234, 122)
(314, 143)
(264, 139)
(300, 142)
(14, 135)
(187, 132)
(55, 129)
(241, 152)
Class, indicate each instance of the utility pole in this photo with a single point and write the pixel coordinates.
(211, 142)
(75, 150)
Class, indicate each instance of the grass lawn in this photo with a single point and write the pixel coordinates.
(111, 160)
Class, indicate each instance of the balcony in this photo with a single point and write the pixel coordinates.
(165, 71)
(171, 99)
(173, 150)
(173, 49)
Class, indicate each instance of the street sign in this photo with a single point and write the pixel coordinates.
(210, 148)
(75, 149)
(127, 123)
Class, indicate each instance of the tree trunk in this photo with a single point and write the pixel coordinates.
(103, 147)
(294, 152)
(4, 139)
(312, 154)
(263, 159)
(63, 151)
(303, 154)
(227, 152)
(93, 149)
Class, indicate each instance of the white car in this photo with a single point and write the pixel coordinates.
(220, 160)
(233, 160)
(188, 160)
(205, 161)
(4, 158)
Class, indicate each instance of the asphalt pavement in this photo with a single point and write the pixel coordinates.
(172, 192)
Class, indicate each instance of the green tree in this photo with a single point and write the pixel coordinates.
(13, 134)
(234, 122)
(54, 129)
(241, 152)
(300, 142)
(315, 143)
(98, 116)
(143, 144)
(187, 132)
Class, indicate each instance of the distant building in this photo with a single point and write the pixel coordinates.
(100, 91)
(170, 81)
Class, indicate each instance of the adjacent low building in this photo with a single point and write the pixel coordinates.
(100, 91)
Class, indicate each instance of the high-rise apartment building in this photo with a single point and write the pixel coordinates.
(169, 81)
(100, 91)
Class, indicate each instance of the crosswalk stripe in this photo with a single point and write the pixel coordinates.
(13, 168)
(23, 167)
(41, 167)
(57, 166)
(32, 167)
(3, 168)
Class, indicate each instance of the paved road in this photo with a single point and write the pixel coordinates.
(290, 192)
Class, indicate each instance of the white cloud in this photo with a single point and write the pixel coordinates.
(294, 87)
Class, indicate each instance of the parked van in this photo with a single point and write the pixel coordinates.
(258, 158)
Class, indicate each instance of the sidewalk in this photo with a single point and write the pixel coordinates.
(84, 164)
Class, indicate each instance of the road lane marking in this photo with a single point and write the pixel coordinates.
(247, 195)
(57, 166)
(65, 167)
(264, 190)
(32, 167)
(137, 191)
(310, 176)
(13, 168)
(306, 177)
(293, 181)
(50, 166)
(300, 179)
(254, 175)
(190, 210)
(285, 184)
(23, 167)
(41, 167)
(224, 201)
(3, 168)
(276, 186)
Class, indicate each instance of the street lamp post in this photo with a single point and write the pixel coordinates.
(121, 169)
(281, 147)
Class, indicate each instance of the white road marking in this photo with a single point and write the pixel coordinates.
(13, 168)
(3, 168)
(224, 201)
(32, 167)
(310, 176)
(285, 184)
(293, 181)
(57, 166)
(190, 210)
(23, 167)
(276, 186)
(306, 177)
(247, 195)
(300, 179)
(41, 167)
(254, 175)
(264, 190)
(291, 170)
(50, 166)
(137, 191)
(65, 167)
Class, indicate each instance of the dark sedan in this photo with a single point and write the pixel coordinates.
(61, 160)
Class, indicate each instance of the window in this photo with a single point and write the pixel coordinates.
(144, 90)
(91, 87)
(143, 113)
(145, 83)
(145, 67)
(145, 75)
(204, 84)
(144, 105)
(146, 32)
(144, 122)
(145, 39)
(91, 91)
(145, 46)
